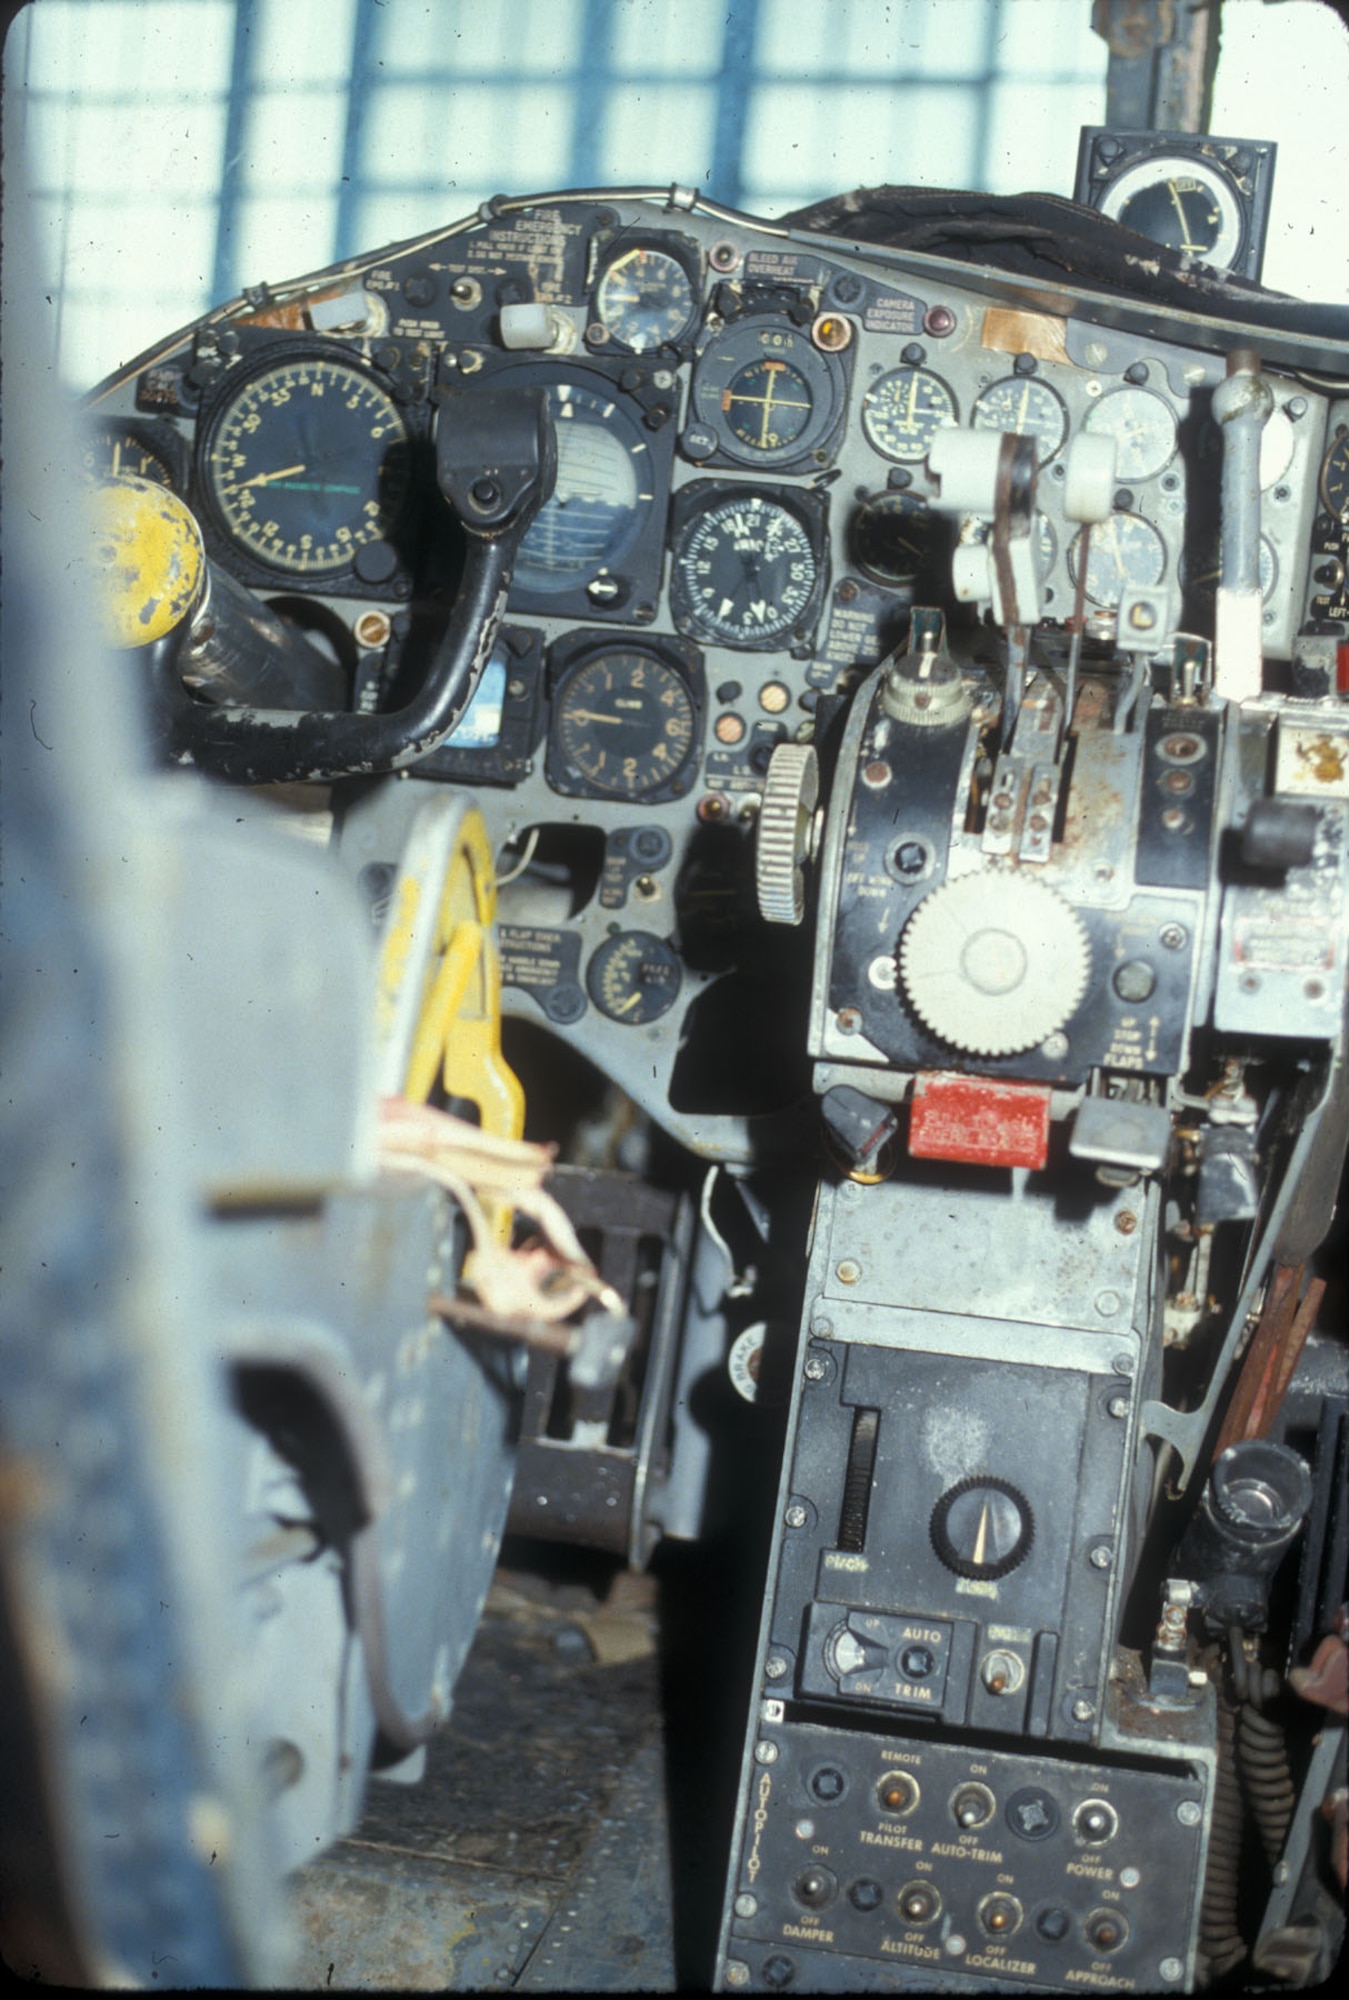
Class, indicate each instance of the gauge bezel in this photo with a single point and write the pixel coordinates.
(1036, 383)
(650, 411)
(609, 948)
(1338, 448)
(1240, 171)
(898, 501)
(756, 337)
(1151, 583)
(701, 497)
(608, 250)
(258, 354)
(569, 657)
(868, 394)
(1143, 175)
(156, 436)
(1131, 391)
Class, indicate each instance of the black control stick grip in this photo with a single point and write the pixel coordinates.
(496, 464)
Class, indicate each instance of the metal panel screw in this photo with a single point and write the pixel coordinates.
(1129, 1878)
(1173, 936)
(765, 1753)
(1100, 1558)
(737, 1972)
(775, 1666)
(1083, 1710)
(1126, 1222)
(1118, 1406)
(745, 1904)
(1189, 1812)
(849, 1271)
(796, 1515)
(848, 1021)
(1170, 1968)
(816, 1369)
(1108, 1304)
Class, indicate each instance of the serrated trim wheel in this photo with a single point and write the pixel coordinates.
(993, 963)
(782, 837)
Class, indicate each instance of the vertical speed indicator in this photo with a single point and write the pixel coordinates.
(747, 570)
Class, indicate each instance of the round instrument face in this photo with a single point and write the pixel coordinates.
(624, 721)
(1184, 203)
(603, 496)
(1125, 551)
(634, 978)
(306, 462)
(113, 450)
(903, 411)
(1144, 430)
(1026, 405)
(1203, 577)
(746, 569)
(767, 395)
(1335, 477)
(892, 537)
(644, 299)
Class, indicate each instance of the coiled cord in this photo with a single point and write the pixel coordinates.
(1220, 1939)
(1262, 1759)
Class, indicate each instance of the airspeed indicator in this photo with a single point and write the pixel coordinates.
(745, 571)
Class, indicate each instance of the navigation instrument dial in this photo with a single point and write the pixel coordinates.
(1144, 430)
(645, 298)
(623, 727)
(767, 395)
(306, 461)
(903, 411)
(604, 491)
(1335, 477)
(1125, 551)
(745, 571)
(634, 978)
(1027, 406)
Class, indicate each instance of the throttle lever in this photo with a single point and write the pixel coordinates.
(496, 465)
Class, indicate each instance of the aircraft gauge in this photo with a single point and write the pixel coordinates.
(763, 395)
(1126, 551)
(1335, 477)
(645, 298)
(903, 411)
(748, 567)
(634, 977)
(305, 461)
(1028, 406)
(624, 726)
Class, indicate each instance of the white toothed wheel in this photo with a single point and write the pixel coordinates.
(993, 963)
(784, 837)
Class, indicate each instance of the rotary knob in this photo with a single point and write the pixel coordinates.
(785, 837)
(925, 689)
(993, 963)
(982, 1527)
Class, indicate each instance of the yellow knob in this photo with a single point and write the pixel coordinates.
(147, 558)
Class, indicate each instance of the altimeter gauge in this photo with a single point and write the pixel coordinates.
(624, 727)
(305, 461)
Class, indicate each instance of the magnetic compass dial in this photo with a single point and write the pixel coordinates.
(306, 462)
(1027, 406)
(624, 720)
(903, 411)
(603, 496)
(645, 298)
(746, 570)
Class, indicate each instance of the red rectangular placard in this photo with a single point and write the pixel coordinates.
(972, 1118)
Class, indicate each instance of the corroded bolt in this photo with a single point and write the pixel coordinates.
(1126, 1222)
(1083, 1710)
(848, 1272)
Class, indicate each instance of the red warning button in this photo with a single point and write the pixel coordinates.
(970, 1118)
